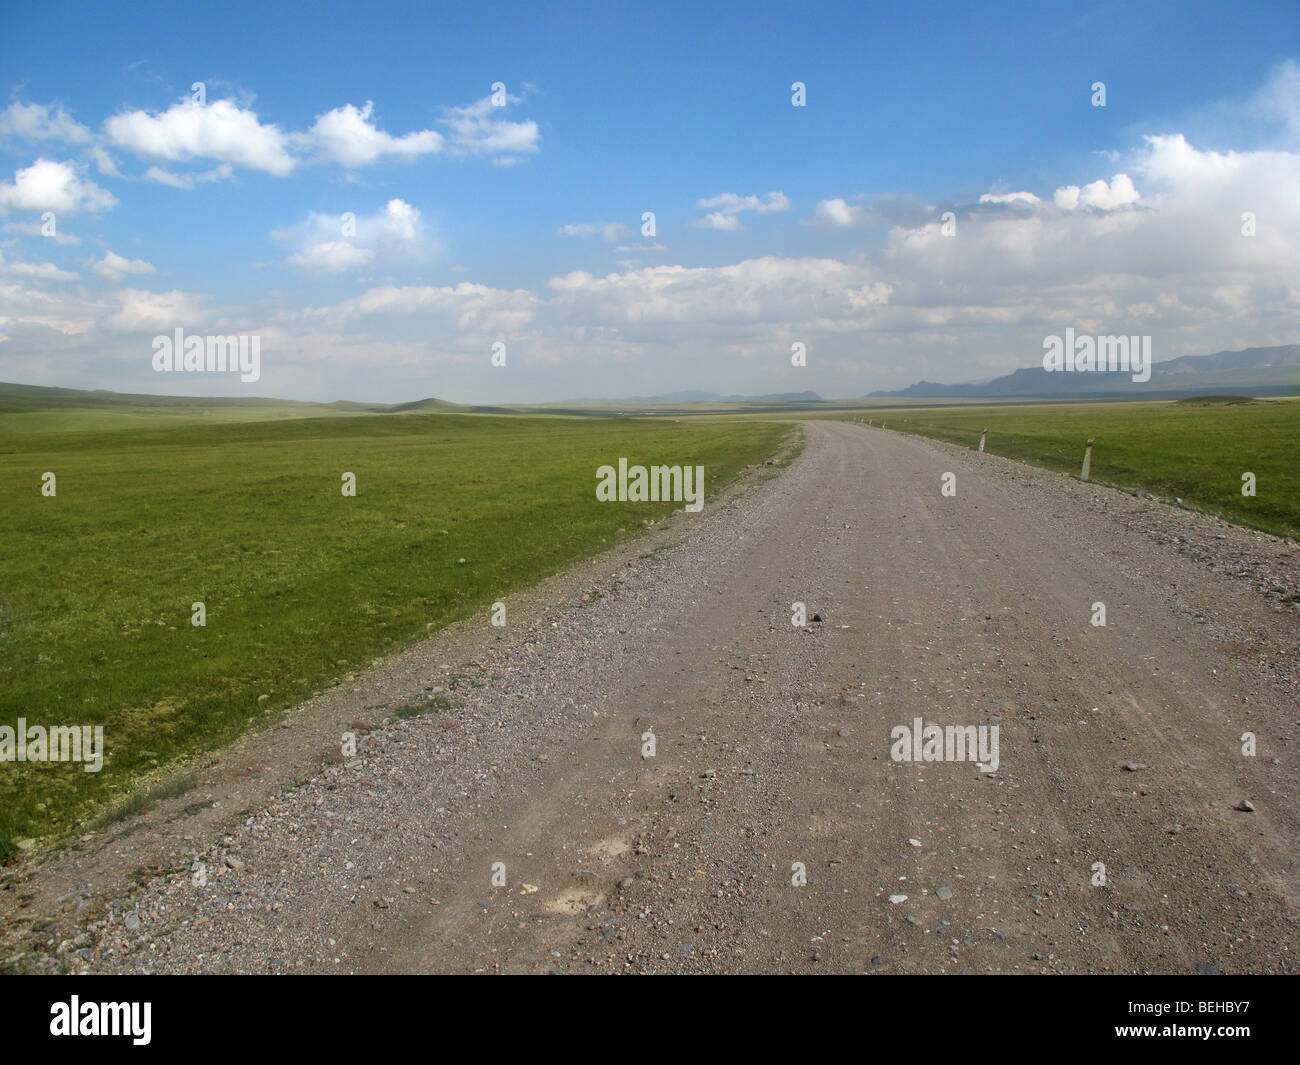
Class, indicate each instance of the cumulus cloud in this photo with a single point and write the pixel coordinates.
(839, 214)
(727, 208)
(481, 128)
(1098, 195)
(139, 311)
(113, 267)
(52, 186)
(28, 313)
(37, 122)
(348, 137)
(333, 244)
(1011, 198)
(36, 271)
(229, 135)
(220, 131)
(331, 257)
(477, 314)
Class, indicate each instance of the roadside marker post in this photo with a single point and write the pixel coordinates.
(1087, 462)
(983, 436)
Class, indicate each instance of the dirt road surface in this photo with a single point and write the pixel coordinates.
(1119, 747)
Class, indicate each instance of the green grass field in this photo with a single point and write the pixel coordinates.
(1191, 450)
(301, 584)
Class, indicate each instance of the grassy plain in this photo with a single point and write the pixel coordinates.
(156, 511)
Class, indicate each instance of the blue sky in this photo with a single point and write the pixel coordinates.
(521, 223)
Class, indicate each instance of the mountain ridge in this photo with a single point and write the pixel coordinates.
(1259, 368)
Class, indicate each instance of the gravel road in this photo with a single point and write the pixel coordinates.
(1119, 747)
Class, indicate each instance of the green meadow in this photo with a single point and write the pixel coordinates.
(1195, 450)
(301, 584)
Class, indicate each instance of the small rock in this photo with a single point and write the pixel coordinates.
(1133, 767)
(896, 899)
(1206, 969)
(1245, 806)
(943, 892)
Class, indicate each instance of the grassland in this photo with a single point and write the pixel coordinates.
(1192, 450)
(301, 584)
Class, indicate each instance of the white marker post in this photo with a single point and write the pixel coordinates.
(1087, 462)
(983, 436)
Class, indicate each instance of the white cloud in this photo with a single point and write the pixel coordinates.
(104, 162)
(347, 136)
(726, 223)
(326, 245)
(32, 315)
(480, 129)
(36, 122)
(774, 292)
(331, 257)
(480, 312)
(839, 214)
(140, 311)
(220, 131)
(888, 210)
(50, 186)
(37, 271)
(1027, 198)
(729, 206)
(113, 267)
(609, 231)
(33, 229)
(188, 181)
(399, 221)
(1099, 195)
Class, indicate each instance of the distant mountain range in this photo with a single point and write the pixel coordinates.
(1269, 370)
(709, 397)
